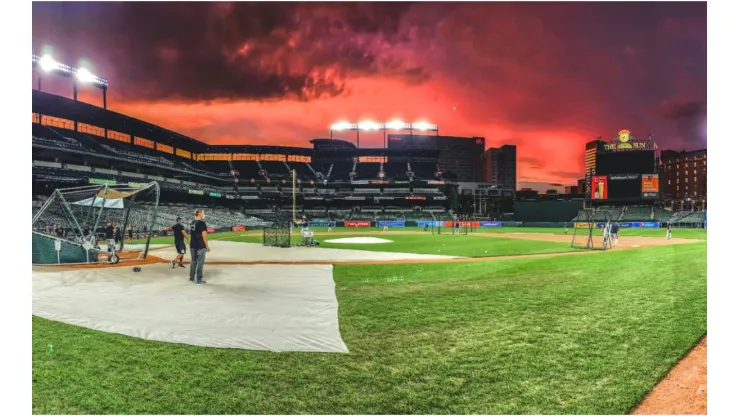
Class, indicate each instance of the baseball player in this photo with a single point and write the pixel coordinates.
(331, 223)
(614, 231)
(668, 232)
(565, 228)
(606, 233)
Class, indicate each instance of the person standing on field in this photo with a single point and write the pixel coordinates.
(198, 247)
(178, 231)
(615, 234)
(668, 232)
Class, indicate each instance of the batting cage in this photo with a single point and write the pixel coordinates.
(71, 226)
(454, 226)
(277, 232)
(591, 230)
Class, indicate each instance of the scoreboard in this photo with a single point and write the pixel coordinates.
(614, 163)
(625, 187)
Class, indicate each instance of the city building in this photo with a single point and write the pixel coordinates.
(459, 156)
(592, 147)
(571, 190)
(498, 166)
(581, 186)
(683, 175)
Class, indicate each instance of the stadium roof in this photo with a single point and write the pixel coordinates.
(58, 106)
(259, 149)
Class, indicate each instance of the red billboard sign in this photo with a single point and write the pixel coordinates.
(473, 224)
(357, 223)
(211, 230)
(599, 189)
(239, 228)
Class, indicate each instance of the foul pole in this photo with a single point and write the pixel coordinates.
(293, 178)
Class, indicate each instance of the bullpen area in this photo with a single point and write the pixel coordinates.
(497, 321)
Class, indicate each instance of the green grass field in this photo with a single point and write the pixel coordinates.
(571, 334)
(446, 244)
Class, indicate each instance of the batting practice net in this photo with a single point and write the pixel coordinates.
(590, 230)
(277, 232)
(464, 226)
(70, 227)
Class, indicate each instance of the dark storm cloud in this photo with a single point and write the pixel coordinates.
(680, 110)
(238, 50)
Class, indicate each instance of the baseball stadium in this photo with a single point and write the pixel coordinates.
(343, 279)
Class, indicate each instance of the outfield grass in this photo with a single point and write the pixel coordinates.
(445, 244)
(584, 334)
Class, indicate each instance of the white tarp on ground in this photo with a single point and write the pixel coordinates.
(259, 307)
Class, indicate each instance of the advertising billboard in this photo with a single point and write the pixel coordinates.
(392, 223)
(421, 223)
(239, 228)
(474, 224)
(650, 186)
(490, 223)
(357, 223)
(599, 188)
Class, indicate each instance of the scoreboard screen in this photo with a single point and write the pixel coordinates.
(615, 163)
(625, 187)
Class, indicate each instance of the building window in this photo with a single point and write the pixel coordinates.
(669, 181)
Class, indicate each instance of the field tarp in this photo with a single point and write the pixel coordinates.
(257, 307)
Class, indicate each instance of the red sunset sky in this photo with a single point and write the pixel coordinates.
(547, 77)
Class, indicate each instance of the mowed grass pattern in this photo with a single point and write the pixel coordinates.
(573, 334)
(443, 244)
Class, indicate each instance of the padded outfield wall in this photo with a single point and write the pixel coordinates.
(546, 211)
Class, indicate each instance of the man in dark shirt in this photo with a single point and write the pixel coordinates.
(198, 246)
(181, 237)
(110, 237)
(117, 235)
(615, 234)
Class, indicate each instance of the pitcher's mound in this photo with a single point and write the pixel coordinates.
(358, 240)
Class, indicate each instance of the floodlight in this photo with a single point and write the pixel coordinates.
(368, 125)
(395, 125)
(48, 63)
(422, 126)
(84, 75)
(342, 125)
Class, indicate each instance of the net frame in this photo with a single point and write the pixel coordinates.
(593, 218)
(277, 233)
(79, 216)
(466, 225)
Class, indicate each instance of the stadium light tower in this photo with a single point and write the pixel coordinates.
(48, 65)
(395, 125)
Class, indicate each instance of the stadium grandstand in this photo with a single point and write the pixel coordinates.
(76, 144)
